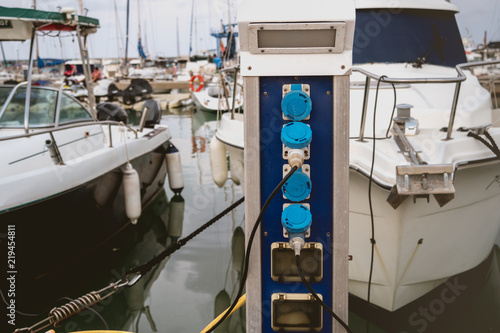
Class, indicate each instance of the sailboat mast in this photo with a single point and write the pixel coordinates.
(36, 38)
(195, 35)
(178, 48)
(229, 13)
(126, 39)
(3, 54)
(119, 38)
(191, 32)
(139, 30)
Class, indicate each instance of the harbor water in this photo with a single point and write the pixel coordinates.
(197, 282)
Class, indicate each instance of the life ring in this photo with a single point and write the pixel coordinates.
(191, 83)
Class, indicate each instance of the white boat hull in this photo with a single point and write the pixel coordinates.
(208, 99)
(419, 245)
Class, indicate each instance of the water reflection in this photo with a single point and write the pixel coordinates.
(134, 246)
(468, 302)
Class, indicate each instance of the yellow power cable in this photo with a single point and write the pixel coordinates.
(241, 301)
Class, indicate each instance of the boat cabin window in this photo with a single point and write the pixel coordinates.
(407, 36)
(42, 108)
(71, 110)
(42, 111)
(4, 93)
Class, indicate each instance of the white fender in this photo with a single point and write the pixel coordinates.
(174, 169)
(218, 161)
(132, 193)
(176, 217)
(234, 174)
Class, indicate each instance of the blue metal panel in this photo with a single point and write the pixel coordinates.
(321, 199)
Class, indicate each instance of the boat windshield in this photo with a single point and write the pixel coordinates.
(407, 36)
(42, 112)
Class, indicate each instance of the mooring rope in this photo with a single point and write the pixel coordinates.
(143, 269)
(58, 315)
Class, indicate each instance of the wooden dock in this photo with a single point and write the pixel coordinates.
(158, 85)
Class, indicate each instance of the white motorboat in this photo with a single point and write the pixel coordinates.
(435, 185)
(228, 141)
(434, 195)
(223, 94)
(69, 181)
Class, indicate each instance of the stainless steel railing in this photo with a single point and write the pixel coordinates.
(457, 80)
(79, 124)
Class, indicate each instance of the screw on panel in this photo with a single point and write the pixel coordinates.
(296, 78)
(342, 67)
(249, 68)
(328, 92)
(327, 234)
(265, 233)
(265, 93)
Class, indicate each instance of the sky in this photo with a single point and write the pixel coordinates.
(159, 25)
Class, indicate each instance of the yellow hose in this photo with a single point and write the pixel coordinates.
(241, 301)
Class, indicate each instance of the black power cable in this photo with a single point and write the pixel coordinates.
(249, 248)
(319, 300)
(370, 181)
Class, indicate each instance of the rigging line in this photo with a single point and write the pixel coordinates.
(370, 181)
(118, 26)
(152, 25)
(492, 24)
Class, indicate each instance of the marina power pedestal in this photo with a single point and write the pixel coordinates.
(296, 59)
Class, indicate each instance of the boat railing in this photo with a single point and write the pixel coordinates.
(110, 123)
(432, 80)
